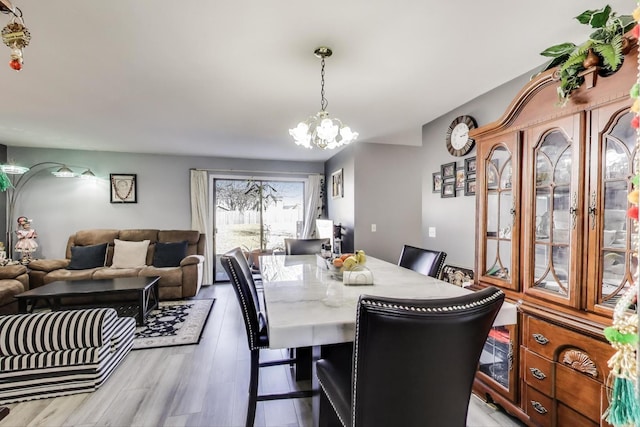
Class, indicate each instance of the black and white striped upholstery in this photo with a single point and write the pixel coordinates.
(413, 361)
(60, 353)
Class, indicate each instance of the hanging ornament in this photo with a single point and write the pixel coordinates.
(17, 37)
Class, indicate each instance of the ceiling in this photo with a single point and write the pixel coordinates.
(229, 78)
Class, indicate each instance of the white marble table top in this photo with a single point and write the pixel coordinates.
(307, 306)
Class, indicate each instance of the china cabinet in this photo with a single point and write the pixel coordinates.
(552, 231)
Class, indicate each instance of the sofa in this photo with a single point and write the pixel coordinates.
(180, 267)
(13, 281)
(62, 353)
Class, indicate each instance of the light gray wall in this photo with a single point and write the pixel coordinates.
(342, 210)
(388, 194)
(59, 207)
(454, 218)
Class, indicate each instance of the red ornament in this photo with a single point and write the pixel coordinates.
(15, 64)
(633, 212)
(635, 32)
(635, 122)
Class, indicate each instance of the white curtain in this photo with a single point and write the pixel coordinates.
(200, 218)
(314, 203)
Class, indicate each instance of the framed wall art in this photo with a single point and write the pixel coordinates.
(470, 165)
(123, 187)
(448, 189)
(470, 187)
(337, 184)
(460, 177)
(437, 182)
(448, 170)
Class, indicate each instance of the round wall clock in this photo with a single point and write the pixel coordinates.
(458, 141)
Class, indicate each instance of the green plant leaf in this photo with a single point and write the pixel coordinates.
(611, 53)
(600, 17)
(627, 22)
(555, 62)
(574, 63)
(585, 17)
(558, 50)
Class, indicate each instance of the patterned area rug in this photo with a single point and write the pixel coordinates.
(174, 323)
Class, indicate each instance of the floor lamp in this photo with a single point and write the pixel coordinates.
(20, 176)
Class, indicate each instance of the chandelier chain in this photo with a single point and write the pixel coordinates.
(323, 101)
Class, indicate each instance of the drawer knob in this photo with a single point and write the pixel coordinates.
(540, 339)
(537, 373)
(538, 407)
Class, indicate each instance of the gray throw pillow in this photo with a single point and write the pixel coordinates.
(84, 257)
(169, 254)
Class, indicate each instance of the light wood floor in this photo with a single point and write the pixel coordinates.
(195, 385)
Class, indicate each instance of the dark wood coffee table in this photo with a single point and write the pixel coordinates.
(145, 288)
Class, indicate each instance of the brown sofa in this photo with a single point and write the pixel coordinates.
(13, 281)
(175, 282)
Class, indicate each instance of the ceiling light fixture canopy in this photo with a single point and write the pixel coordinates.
(321, 130)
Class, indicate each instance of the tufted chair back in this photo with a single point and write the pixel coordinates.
(237, 268)
(304, 246)
(424, 261)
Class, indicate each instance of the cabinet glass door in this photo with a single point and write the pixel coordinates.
(612, 262)
(499, 217)
(498, 363)
(555, 215)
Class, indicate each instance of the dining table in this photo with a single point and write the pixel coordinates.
(309, 308)
(308, 305)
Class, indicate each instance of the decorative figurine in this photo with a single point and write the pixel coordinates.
(26, 243)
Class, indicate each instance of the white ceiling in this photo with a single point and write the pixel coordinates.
(229, 78)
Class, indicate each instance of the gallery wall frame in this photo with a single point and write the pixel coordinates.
(448, 189)
(437, 182)
(123, 187)
(337, 184)
(448, 170)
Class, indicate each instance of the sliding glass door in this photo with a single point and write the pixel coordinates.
(256, 215)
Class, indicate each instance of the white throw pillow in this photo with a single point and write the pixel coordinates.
(129, 254)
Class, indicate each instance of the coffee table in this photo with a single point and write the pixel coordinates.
(145, 288)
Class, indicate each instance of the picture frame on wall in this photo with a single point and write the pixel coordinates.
(470, 165)
(448, 170)
(470, 187)
(460, 179)
(437, 182)
(448, 189)
(123, 187)
(337, 184)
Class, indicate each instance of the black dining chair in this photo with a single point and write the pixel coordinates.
(424, 261)
(255, 322)
(413, 363)
(303, 246)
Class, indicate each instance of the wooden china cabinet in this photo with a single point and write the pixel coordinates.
(552, 232)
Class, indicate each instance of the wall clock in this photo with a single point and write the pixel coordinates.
(457, 140)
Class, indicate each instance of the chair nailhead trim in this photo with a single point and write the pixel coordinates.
(434, 309)
(332, 404)
(245, 312)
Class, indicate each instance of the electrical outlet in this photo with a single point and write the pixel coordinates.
(432, 232)
(373, 228)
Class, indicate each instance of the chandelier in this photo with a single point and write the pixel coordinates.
(321, 130)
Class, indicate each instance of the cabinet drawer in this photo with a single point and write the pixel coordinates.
(547, 340)
(567, 417)
(578, 392)
(537, 372)
(538, 407)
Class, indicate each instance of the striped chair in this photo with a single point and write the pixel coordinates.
(60, 353)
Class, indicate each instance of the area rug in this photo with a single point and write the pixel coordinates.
(174, 323)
